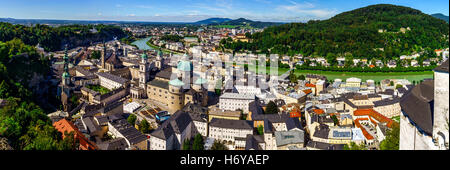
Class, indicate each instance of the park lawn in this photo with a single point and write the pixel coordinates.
(99, 89)
(411, 76)
(331, 75)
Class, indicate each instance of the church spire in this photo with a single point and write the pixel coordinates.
(103, 55)
(66, 74)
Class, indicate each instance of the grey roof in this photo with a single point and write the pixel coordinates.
(268, 128)
(402, 90)
(386, 102)
(383, 128)
(322, 131)
(114, 144)
(90, 124)
(102, 120)
(177, 123)
(160, 84)
(443, 67)
(80, 126)
(418, 105)
(84, 71)
(292, 123)
(230, 124)
(255, 108)
(324, 146)
(112, 77)
(128, 131)
(289, 137)
(111, 106)
(180, 122)
(373, 95)
(239, 96)
(165, 74)
(253, 141)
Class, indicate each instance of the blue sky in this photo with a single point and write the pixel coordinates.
(194, 10)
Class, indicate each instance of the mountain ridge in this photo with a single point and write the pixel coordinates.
(441, 16)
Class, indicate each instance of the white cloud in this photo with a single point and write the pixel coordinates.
(131, 15)
(304, 9)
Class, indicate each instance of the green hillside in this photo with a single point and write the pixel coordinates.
(378, 31)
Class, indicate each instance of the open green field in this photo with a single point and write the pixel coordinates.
(411, 76)
(99, 89)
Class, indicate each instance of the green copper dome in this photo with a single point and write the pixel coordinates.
(185, 66)
(176, 82)
(144, 56)
(66, 75)
(200, 81)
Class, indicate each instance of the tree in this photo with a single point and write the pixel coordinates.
(186, 145)
(354, 146)
(217, 145)
(335, 120)
(391, 83)
(271, 108)
(331, 59)
(292, 77)
(398, 86)
(301, 77)
(392, 140)
(96, 55)
(132, 119)
(4, 88)
(144, 127)
(260, 130)
(198, 143)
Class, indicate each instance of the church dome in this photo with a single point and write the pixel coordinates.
(200, 81)
(185, 66)
(176, 82)
(144, 56)
(65, 75)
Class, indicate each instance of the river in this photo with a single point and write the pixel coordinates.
(142, 44)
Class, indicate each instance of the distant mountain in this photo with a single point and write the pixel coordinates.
(245, 22)
(212, 21)
(441, 16)
(81, 22)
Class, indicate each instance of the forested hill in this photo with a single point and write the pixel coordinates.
(377, 31)
(54, 38)
(245, 22)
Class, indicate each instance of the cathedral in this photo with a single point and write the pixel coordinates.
(178, 86)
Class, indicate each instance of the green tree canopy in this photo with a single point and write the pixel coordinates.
(198, 143)
(144, 126)
(392, 140)
(217, 145)
(271, 108)
(132, 119)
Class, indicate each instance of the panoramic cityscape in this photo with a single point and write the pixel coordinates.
(224, 75)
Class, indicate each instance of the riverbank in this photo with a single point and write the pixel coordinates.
(162, 49)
